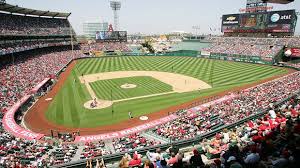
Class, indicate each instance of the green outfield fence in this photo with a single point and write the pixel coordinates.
(191, 53)
(194, 53)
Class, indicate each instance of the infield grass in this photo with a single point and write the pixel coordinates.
(67, 106)
(111, 89)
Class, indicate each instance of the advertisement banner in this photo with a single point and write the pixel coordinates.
(205, 53)
(281, 17)
(111, 36)
(233, 19)
(13, 128)
(126, 132)
(229, 29)
(278, 28)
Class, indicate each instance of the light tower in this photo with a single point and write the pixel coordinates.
(116, 6)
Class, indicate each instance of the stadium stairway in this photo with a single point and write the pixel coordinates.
(78, 153)
(151, 135)
(109, 146)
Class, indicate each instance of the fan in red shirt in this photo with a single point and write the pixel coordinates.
(135, 161)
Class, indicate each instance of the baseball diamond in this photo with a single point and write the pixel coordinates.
(67, 108)
(150, 84)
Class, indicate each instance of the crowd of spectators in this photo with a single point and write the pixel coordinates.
(95, 149)
(19, 46)
(19, 75)
(15, 152)
(61, 154)
(272, 140)
(132, 142)
(26, 25)
(106, 47)
(247, 102)
(266, 48)
(25, 71)
(295, 65)
(292, 41)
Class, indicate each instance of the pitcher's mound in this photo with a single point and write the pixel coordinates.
(128, 86)
(98, 104)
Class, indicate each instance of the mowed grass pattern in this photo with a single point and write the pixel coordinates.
(224, 72)
(67, 107)
(111, 89)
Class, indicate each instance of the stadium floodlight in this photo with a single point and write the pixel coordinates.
(116, 6)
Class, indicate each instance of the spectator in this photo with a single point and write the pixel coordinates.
(124, 163)
(253, 157)
(173, 159)
(196, 160)
(233, 162)
(148, 164)
(136, 161)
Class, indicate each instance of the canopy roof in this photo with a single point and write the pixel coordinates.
(4, 7)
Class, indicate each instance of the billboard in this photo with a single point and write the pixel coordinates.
(111, 36)
(233, 19)
(253, 21)
(263, 22)
(281, 17)
(230, 29)
(248, 21)
(279, 28)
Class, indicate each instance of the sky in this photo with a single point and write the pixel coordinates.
(150, 16)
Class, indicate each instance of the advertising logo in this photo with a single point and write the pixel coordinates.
(231, 19)
(122, 33)
(275, 17)
(281, 17)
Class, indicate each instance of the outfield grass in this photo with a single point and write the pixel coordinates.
(67, 107)
(111, 90)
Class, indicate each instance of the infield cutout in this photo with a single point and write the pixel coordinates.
(128, 86)
(180, 84)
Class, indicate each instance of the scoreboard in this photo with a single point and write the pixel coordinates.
(111, 36)
(253, 21)
(267, 22)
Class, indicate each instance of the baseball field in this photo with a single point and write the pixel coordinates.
(125, 83)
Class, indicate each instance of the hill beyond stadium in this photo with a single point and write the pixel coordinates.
(177, 100)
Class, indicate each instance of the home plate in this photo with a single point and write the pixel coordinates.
(143, 118)
(48, 99)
